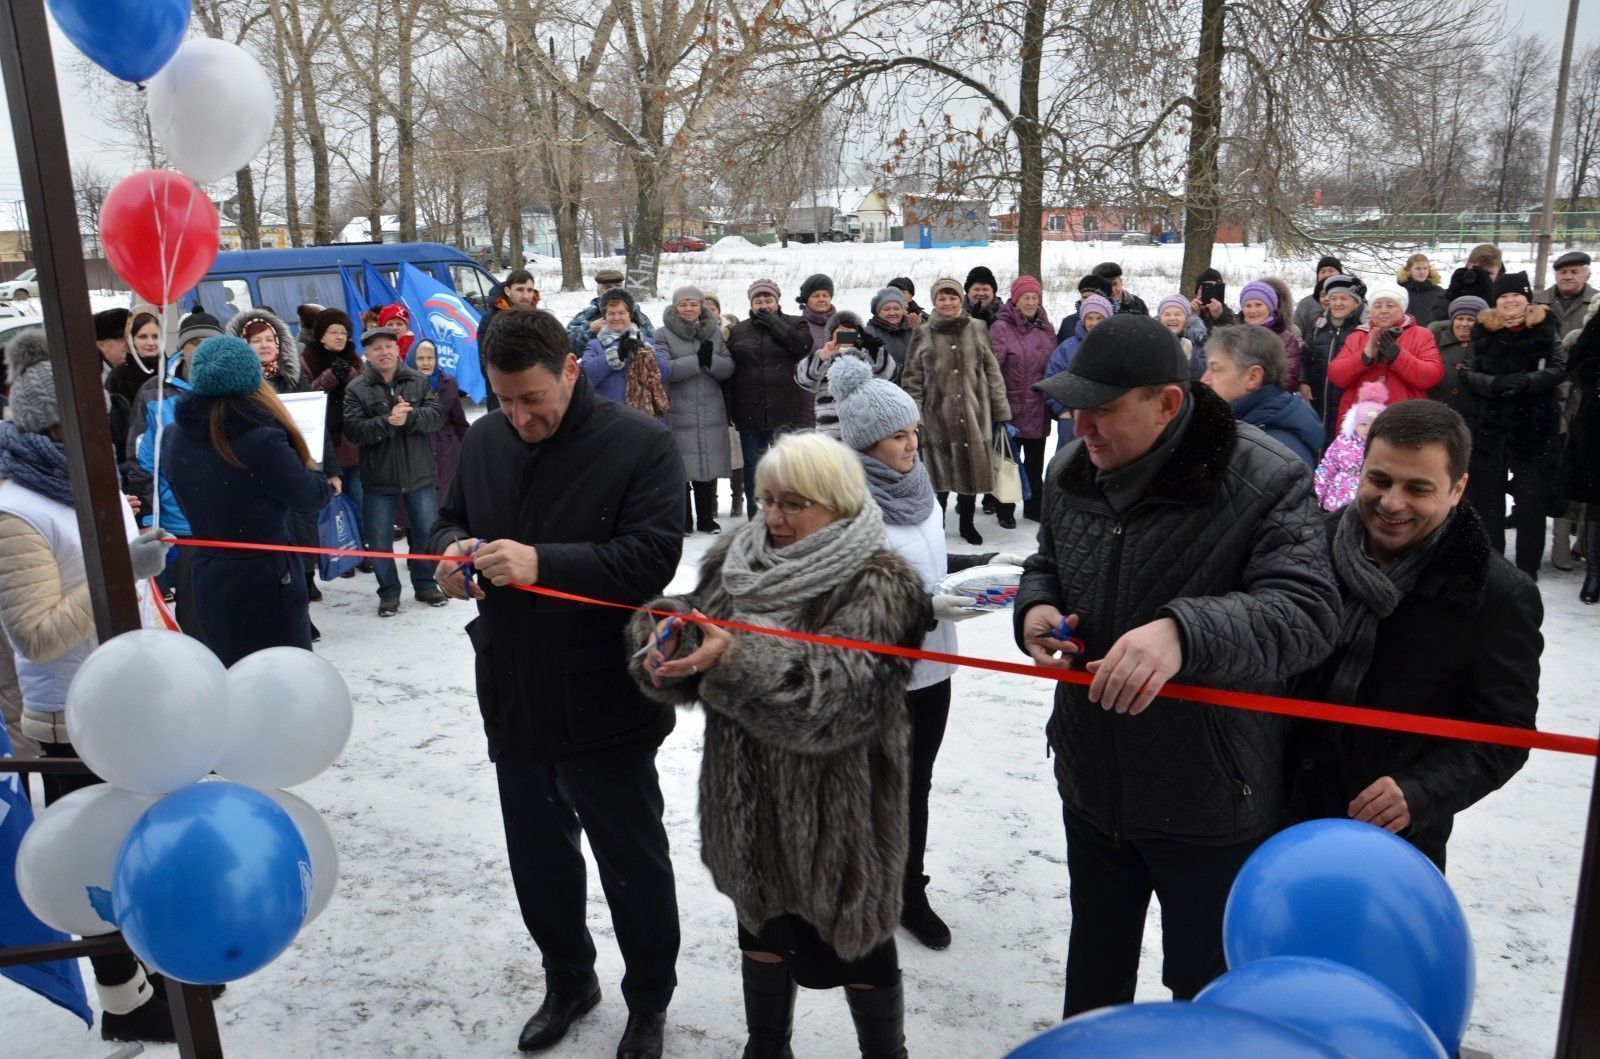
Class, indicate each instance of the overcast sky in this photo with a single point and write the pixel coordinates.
(89, 137)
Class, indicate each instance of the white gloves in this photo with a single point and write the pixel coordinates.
(947, 607)
(148, 552)
(1008, 559)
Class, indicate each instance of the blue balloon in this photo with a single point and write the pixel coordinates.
(1354, 1012)
(1173, 1030)
(212, 883)
(131, 39)
(1357, 895)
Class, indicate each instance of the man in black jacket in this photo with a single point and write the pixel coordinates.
(562, 489)
(392, 413)
(1435, 622)
(763, 397)
(1179, 544)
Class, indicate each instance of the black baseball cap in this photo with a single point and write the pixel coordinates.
(1121, 354)
(1571, 257)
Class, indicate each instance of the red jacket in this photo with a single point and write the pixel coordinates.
(1416, 369)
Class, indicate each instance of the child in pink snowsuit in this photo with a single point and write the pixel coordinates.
(1340, 470)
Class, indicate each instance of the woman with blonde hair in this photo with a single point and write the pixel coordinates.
(240, 468)
(1427, 302)
(803, 781)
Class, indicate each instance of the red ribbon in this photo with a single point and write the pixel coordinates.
(1440, 727)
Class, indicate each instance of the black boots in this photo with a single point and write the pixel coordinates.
(705, 506)
(917, 916)
(1006, 515)
(555, 1016)
(1590, 593)
(644, 1037)
(769, 992)
(736, 483)
(966, 506)
(880, 1018)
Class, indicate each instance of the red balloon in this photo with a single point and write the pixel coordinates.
(160, 233)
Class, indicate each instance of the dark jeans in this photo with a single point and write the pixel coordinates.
(1110, 886)
(615, 799)
(377, 520)
(108, 970)
(754, 445)
(350, 483)
(1530, 488)
(929, 708)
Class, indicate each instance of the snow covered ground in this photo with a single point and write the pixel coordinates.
(423, 953)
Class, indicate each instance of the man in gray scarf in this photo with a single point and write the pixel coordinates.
(1434, 622)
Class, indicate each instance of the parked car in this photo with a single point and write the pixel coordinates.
(682, 244)
(24, 286)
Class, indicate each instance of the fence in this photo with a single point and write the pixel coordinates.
(1432, 229)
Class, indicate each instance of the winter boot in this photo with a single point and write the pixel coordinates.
(736, 483)
(917, 916)
(132, 1012)
(1590, 593)
(880, 1018)
(1006, 515)
(1030, 509)
(705, 507)
(990, 505)
(965, 504)
(1561, 544)
(769, 992)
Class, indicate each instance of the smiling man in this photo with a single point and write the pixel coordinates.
(1177, 543)
(1435, 622)
(564, 489)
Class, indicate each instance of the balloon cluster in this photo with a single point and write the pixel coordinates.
(210, 104)
(1343, 942)
(209, 880)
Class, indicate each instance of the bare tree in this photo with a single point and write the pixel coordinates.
(1582, 146)
(232, 20)
(302, 30)
(90, 186)
(1514, 141)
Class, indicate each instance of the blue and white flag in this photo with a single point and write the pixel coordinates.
(57, 980)
(444, 318)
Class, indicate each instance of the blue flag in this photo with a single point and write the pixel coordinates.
(354, 303)
(443, 317)
(57, 980)
(380, 291)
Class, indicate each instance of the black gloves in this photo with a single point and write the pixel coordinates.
(1388, 346)
(1509, 385)
(869, 342)
(768, 319)
(340, 369)
(704, 353)
(627, 346)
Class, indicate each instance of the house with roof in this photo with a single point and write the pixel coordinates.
(872, 208)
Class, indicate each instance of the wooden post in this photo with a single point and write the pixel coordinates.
(46, 171)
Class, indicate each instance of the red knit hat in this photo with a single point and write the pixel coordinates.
(390, 313)
(1025, 285)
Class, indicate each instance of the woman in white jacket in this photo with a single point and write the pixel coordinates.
(879, 421)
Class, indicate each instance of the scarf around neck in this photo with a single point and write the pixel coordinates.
(1371, 594)
(693, 331)
(775, 583)
(35, 462)
(906, 499)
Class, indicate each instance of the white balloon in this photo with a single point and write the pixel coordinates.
(289, 718)
(319, 842)
(73, 846)
(212, 107)
(148, 710)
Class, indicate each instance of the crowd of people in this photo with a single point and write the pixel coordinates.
(1297, 498)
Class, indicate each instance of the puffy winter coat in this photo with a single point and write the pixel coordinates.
(1339, 473)
(1464, 643)
(698, 417)
(764, 394)
(1512, 372)
(286, 378)
(1322, 343)
(1227, 542)
(394, 459)
(138, 468)
(1022, 348)
(1425, 301)
(896, 341)
(1415, 369)
(805, 770)
(951, 373)
(1286, 418)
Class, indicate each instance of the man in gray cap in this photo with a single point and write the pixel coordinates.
(1176, 544)
(589, 320)
(1570, 296)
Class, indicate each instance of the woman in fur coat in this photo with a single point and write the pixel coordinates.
(803, 785)
(952, 374)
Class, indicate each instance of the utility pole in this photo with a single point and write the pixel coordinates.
(1553, 167)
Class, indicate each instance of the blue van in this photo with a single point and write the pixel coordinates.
(287, 278)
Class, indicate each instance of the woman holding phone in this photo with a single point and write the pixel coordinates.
(846, 335)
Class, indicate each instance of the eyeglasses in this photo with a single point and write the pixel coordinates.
(786, 507)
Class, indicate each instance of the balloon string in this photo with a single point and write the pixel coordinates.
(1441, 727)
(170, 265)
(161, 420)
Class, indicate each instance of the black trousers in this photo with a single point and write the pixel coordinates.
(813, 962)
(1110, 887)
(614, 799)
(108, 970)
(1532, 479)
(929, 708)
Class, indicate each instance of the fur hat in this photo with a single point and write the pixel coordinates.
(1513, 283)
(887, 295)
(1093, 284)
(199, 325)
(33, 382)
(1329, 261)
(619, 294)
(1370, 402)
(1389, 289)
(1108, 270)
(1174, 301)
(981, 274)
(841, 318)
(1096, 303)
(814, 283)
(1026, 285)
(308, 314)
(110, 323)
(946, 283)
(764, 286)
(870, 409)
(1467, 304)
(332, 318)
(225, 366)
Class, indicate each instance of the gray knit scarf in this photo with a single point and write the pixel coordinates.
(609, 340)
(1371, 594)
(906, 499)
(774, 583)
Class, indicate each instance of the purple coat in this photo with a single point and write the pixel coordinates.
(1023, 348)
(447, 439)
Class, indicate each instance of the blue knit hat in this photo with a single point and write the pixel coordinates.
(870, 409)
(225, 366)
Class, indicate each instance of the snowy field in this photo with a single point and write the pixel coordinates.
(423, 953)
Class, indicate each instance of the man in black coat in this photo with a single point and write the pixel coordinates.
(1176, 543)
(568, 491)
(763, 397)
(1435, 623)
